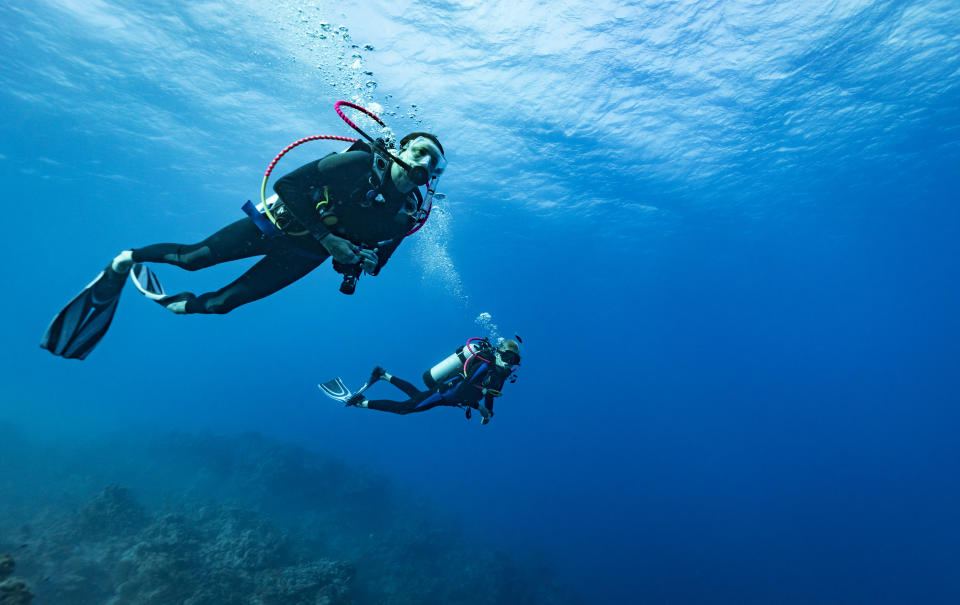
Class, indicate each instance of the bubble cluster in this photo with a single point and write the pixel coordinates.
(340, 60)
(488, 327)
(432, 254)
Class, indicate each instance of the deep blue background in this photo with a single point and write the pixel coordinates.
(739, 385)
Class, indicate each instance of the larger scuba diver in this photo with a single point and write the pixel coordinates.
(470, 378)
(356, 206)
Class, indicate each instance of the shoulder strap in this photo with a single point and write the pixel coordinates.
(360, 145)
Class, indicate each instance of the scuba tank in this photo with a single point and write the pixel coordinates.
(453, 365)
(445, 370)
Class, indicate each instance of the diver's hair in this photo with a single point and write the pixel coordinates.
(413, 135)
(510, 345)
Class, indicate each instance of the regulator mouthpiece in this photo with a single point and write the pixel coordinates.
(418, 175)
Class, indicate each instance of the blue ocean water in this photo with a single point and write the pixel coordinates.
(726, 231)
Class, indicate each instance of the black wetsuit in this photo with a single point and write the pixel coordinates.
(339, 184)
(484, 383)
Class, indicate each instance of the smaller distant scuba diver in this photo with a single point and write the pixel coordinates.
(470, 378)
(356, 206)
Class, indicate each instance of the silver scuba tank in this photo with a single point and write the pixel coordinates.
(453, 365)
(446, 369)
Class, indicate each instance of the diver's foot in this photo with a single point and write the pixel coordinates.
(378, 373)
(356, 400)
(177, 303)
(122, 262)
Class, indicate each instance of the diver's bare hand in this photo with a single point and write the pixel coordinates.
(340, 249)
(369, 259)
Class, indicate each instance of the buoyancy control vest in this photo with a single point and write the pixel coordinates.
(350, 194)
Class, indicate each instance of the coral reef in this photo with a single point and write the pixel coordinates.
(205, 520)
(6, 567)
(13, 591)
(112, 551)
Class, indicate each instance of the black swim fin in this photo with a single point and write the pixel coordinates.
(80, 326)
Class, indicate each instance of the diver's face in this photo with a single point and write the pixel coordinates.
(423, 152)
(425, 160)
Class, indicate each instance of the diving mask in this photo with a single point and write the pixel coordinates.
(423, 160)
(509, 358)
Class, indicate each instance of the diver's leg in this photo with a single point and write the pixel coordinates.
(403, 385)
(419, 403)
(240, 239)
(397, 407)
(378, 373)
(275, 271)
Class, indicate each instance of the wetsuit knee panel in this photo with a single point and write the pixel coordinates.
(215, 303)
(194, 258)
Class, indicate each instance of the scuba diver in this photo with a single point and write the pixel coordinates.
(356, 206)
(470, 378)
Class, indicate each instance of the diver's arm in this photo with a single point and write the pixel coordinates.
(496, 377)
(487, 414)
(342, 250)
(486, 409)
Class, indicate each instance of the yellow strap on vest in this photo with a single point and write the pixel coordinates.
(326, 199)
(263, 200)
